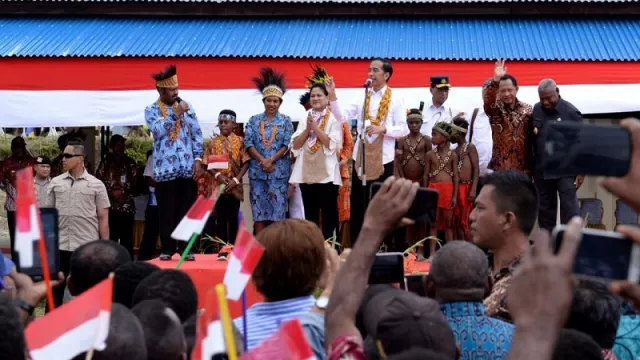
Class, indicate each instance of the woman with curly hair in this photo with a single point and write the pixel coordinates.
(267, 139)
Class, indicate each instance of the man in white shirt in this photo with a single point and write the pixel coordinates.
(438, 109)
(479, 134)
(385, 121)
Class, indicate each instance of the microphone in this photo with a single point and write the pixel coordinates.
(421, 105)
(178, 99)
(368, 83)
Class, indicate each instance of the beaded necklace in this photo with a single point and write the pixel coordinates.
(323, 125)
(383, 110)
(412, 151)
(175, 133)
(268, 142)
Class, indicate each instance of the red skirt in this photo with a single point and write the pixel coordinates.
(464, 206)
(445, 189)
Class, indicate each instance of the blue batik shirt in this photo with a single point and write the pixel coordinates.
(478, 336)
(627, 345)
(173, 159)
(253, 138)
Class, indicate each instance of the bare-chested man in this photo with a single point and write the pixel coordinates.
(442, 175)
(469, 172)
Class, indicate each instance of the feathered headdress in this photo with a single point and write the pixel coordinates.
(319, 76)
(167, 78)
(270, 83)
(444, 128)
(414, 114)
(305, 100)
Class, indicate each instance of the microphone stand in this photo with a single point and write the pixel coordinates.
(363, 139)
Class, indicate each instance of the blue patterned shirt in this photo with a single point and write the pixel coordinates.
(173, 159)
(627, 345)
(478, 336)
(253, 138)
(265, 318)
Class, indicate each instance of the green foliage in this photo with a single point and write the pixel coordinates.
(136, 147)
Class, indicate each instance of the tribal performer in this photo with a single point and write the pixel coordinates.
(442, 175)
(267, 139)
(469, 172)
(177, 155)
(510, 121)
(384, 122)
(228, 204)
(317, 168)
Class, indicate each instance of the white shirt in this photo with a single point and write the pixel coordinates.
(331, 161)
(148, 169)
(482, 139)
(396, 121)
(431, 115)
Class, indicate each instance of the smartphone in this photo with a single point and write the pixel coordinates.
(388, 268)
(603, 255)
(424, 207)
(416, 284)
(580, 149)
(49, 219)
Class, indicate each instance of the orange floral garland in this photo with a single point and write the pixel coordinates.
(323, 125)
(383, 110)
(265, 141)
(175, 133)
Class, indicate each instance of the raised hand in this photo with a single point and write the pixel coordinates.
(499, 70)
(331, 88)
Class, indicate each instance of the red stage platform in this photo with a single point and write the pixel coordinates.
(206, 272)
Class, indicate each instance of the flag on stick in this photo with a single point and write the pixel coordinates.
(244, 258)
(209, 332)
(218, 162)
(289, 343)
(76, 327)
(195, 219)
(29, 229)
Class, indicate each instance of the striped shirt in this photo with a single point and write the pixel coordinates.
(265, 318)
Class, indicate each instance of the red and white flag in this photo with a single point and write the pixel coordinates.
(209, 332)
(220, 162)
(244, 258)
(75, 327)
(196, 217)
(28, 226)
(289, 343)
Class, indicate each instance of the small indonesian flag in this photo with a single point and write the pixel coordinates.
(74, 328)
(196, 218)
(289, 343)
(244, 258)
(209, 333)
(217, 162)
(28, 226)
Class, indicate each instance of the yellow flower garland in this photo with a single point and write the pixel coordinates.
(175, 133)
(383, 110)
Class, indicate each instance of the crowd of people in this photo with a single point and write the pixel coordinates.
(519, 302)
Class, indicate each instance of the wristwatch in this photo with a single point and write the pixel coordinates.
(23, 305)
(322, 302)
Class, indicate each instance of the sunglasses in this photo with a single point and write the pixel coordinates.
(70, 156)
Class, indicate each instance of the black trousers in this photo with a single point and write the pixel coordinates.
(65, 267)
(11, 222)
(548, 191)
(150, 235)
(323, 198)
(226, 220)
(360, 199)
(121, 229)
(174, 198)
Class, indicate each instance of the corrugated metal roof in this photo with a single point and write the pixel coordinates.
(337, 1)
(419, 39)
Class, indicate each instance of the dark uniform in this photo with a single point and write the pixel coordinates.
(552, 187)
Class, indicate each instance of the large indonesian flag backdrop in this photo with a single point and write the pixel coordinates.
(115, 91)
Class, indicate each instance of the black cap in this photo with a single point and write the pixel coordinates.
(43, 160)
(400, 320)
(440, 81)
